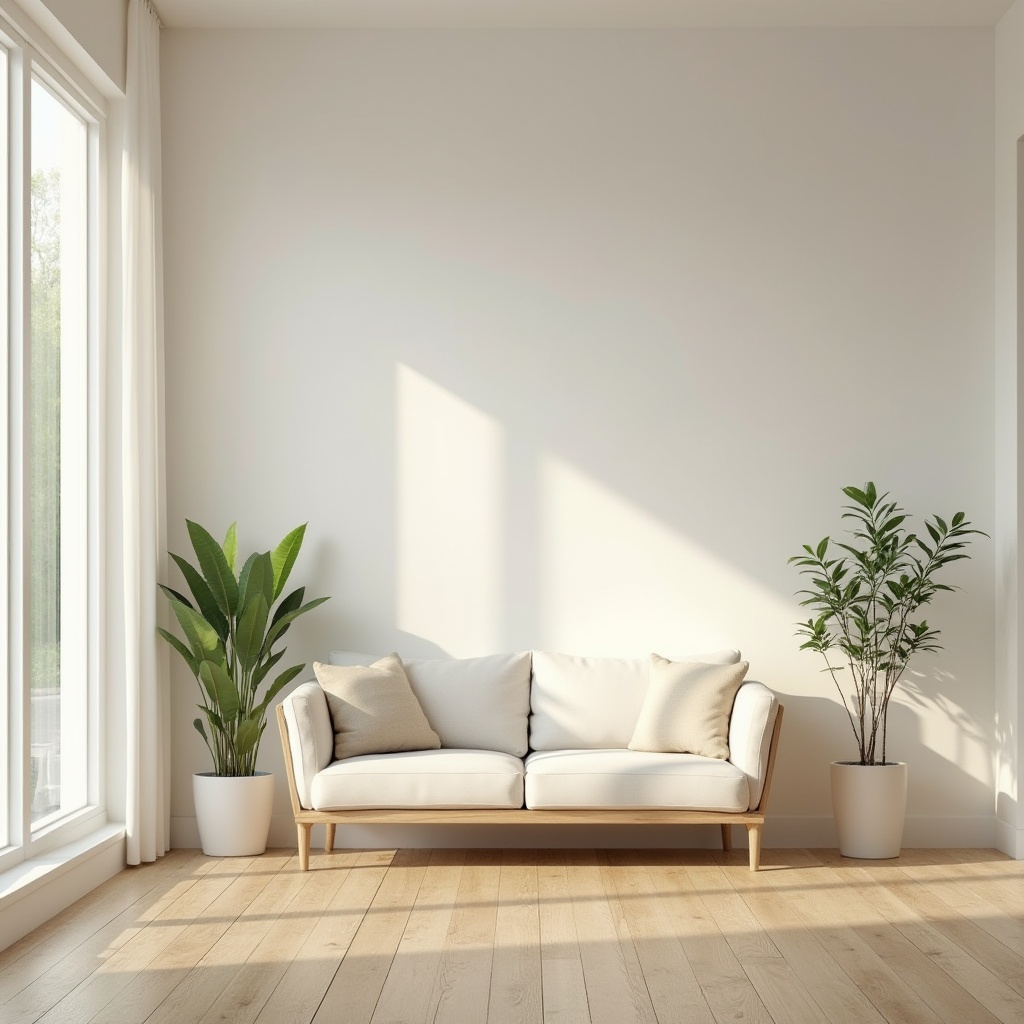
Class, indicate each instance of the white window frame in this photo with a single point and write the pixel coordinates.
(31, 54)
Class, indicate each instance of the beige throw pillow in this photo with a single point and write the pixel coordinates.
(373, 709)
(687, 708)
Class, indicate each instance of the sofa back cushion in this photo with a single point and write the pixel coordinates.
(593, 703)
(472, 703)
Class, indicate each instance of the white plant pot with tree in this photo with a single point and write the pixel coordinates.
(866, 595)
(231, 631)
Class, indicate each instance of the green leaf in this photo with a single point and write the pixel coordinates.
(173, 595)
(282, 623)
(289, 604)
(219, 576)
(216, 676)
(257, 577)
(247, 735)
(857, 495)
(204, 598)
(263, 670)
(284, 556)
(822, 549)
(277, 686)
(251, 629)
(211, 692)
(891, 524)
(230, 546)
(198, 723)
(185, 653)
(202, 637)
(216, 722)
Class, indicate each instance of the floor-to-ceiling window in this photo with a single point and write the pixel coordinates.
(49, 172)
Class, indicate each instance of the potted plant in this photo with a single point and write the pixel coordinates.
(231, 630)
(866, 595)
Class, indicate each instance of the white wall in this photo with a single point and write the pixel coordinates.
(569, 339)
(1009, 172)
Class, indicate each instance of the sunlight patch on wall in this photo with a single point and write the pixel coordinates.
(617, 580)
(945, 726)
(450, 518)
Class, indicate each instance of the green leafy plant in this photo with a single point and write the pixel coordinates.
(231, 630)
(866, 596)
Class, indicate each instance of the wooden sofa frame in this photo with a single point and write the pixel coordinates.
(306, 819)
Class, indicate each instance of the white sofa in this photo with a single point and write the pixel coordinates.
(533, 737)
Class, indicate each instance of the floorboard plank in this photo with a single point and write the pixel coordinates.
(564, 987)
(615, 985)
(516, 983)
(968, 975)
(463, 984)
(851, 933)
(407, 995)
(671, 983)
(305, 980)
(214, 959)
(133, 957)
(353, 993)
(726, 986)
(80, 972)
(978, 936)
(111, 907)
(252, 985)
(825, 981)
(748, 940)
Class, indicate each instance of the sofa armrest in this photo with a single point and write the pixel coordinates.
(750, 735)
(310, 736)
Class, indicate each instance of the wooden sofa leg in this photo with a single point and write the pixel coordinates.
(727, 838)
(303, 829)
(329, 840)
(754, 840)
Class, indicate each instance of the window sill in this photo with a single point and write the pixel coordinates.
(33, 874)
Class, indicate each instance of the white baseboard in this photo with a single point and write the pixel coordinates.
(38, 889)
(779, 833)
(1009, 839)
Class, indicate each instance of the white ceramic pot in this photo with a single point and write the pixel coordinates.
(869, 803)
(233, 813)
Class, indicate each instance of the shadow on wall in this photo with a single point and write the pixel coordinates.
(1007, 792)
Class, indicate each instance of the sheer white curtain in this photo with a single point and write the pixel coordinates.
(147, 812)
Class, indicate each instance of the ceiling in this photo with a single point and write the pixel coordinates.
(576, 13)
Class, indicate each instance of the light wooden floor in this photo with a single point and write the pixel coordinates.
(570, 936)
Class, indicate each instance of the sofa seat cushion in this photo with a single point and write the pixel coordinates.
(633, 779)
(421, 778)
